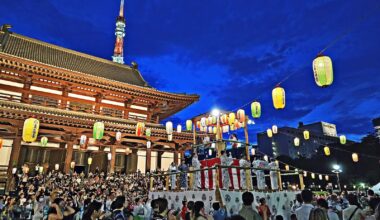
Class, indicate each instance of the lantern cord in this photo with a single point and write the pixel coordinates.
(349, 30)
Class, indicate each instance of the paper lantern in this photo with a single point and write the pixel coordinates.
(30, 130)
(179, 128)
(140, 127)
(214, 130)
(72, 165)
(241, 115)
(327, 177)
(98, 130)
(326, 150)
(305, 173)
(189, 125)
(306, 135)
(44, 141)
(256, 109)
(355, 157)
(89, 161)
(209, 152)
(83, 140)
(226, 129)
(198, 124)
(253, 151)
(320, 177)
(266, 158)
(287, 168)
(148, 132)
(118, 136)
(342, 139)
(237, 124)
(56, 166)
(170, 137)
(41, 169)
(169, 127)
(210, 130)
(203, 122)
(224, 119)
(214, 120)
(232, 127)
(296, 142)
(312, 175)
(148, 144)
(1, 143)
(231, 118)
(278, 96)
(269, 133)
(91, 141)
(274, 129)
(323, 71)
(109, 156)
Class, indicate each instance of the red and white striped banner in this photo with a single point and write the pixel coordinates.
(208, 177)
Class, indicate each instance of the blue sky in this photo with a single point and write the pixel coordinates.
(230, 52)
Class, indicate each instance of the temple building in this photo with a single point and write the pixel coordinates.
(68, 91)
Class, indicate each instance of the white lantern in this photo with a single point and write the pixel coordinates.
(56, 166)
(118, 136)
(213, 145)
(148, 144)
(320, 177)
(41, 169)
(179, 128)
(203, 122)
(14, 170)
(296, 142)
(109, 156)
(305, 173)
(210, 152)
(253, 151)
(72, 165)
(83, 140)
(313, 175)
(170, 137)
(327, 178)
(274, 129)
(287, 168)
(169, 127)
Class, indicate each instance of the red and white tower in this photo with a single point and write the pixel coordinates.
(118, 56)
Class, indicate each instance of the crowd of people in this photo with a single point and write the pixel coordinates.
(125, 196)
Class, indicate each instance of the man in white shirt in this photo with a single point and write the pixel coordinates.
(354, 211)
(303, 212)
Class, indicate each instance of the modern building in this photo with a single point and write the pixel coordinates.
(68, 91)
(376, 125)
(282, 143)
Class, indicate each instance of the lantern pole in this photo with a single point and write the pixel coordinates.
(246, 138)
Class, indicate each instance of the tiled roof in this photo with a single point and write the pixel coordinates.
(35, 50)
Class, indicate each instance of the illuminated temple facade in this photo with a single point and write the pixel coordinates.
(68, 91)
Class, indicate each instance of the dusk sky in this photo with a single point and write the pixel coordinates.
(230, 52)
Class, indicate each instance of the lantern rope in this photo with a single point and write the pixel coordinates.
(349, 30)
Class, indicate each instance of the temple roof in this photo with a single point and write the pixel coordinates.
(35, 50)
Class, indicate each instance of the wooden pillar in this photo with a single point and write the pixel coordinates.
(26, 90)
(194, 133)
(159, 159)
(113, 159)
(148, 160)
(302, 184)
(127, 104)
(175, 157)
(65, 94)
(69, 156)
(13, 160)
(98, 101)
(246, 138)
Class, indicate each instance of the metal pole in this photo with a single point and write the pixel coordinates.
(338, 180)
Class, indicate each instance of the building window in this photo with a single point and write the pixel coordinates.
(44, 101)
(112, 112)
(80, 107)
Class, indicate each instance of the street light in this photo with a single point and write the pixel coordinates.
(337, 170)
(215, 112)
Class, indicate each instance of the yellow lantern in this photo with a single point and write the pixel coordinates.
(209, 120)
(323, 71)
(232, 127)
(30, 130)
(312, 175)
(256, 109)
(274, 129)
(327, 177)
(355, 157)
(213, 120)
(214, 130)
(278, 96)
(89, 161)
(98, 130)
(169, 127)
(296, 142)
(189, 125)
(287, 167)
(140, 127)
(198, 124)
(179, 128)
(224, 119)
(269, 133)
(326, 150)
(306, 135)
(342, 139)
(231, 118)
(241, 115)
